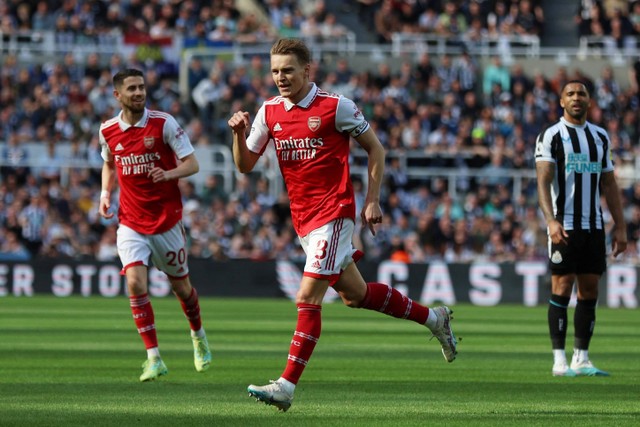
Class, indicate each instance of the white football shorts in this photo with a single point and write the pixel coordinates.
(329, 249)
(167, 251)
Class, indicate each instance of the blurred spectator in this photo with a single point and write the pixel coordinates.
(289, 28)
(459, 250)
(607, 90)
(446, 72)
(51, 164)
(386, 21)
(32, 219)
(611, 7)
(14, 159)
(311, 28)
(493, 174)
(501, 13)
(206, 93)
(11, 248)
(476, 10)
(634, 17)
(621, 30)
(428, 21)
(585, 13)
(451, 22)
(42, 18)
(528, 19)
(495, 74)
(467, 71)
(277, 10)
(330, 29)
(476, 34)
(106, 248)
(366, 12)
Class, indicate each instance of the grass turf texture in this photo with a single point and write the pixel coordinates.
(76, 361)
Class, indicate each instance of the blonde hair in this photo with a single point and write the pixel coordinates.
(294, 47)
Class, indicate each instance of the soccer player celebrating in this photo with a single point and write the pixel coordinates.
(142, 146)
(311, 130)
(573, 166)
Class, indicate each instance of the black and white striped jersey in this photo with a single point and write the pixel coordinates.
(581, 154)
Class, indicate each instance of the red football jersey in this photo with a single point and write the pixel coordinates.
(311, 139)
(156, 140)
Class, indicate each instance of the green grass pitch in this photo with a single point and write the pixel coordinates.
(76, 361)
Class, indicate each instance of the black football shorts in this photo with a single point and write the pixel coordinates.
(584, 253)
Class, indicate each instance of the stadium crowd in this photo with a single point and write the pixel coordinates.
(444, 107)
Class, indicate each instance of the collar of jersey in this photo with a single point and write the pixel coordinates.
(571, 125)
(141, 123)
(304, 102)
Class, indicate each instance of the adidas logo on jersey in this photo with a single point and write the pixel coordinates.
(119, 147)
(316, 264)
(277, 127)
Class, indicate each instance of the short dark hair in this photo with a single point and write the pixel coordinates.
(119, 77)
(576, 81)
(292, 46)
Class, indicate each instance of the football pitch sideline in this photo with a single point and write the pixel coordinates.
(76, 362)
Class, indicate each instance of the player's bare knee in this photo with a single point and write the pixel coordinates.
(309, 297)
(181, 288)
(351, 301)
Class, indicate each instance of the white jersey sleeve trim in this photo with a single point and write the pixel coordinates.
(176, 137)
(259, 135)
(543, 146)
(105, 151)
(349, 118)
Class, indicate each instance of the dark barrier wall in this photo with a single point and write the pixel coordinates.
(481, 283)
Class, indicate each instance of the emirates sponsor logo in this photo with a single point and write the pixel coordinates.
(137, 159)
(291, 143)
(314, 123)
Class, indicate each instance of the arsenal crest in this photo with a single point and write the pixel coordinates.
(313, 123)
(148, 142)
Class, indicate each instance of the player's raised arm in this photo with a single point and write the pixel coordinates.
(244, 158)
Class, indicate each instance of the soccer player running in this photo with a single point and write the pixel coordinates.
(142, 146)
(573, 167)
(311, 130)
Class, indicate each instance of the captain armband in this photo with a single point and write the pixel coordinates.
(360, 129)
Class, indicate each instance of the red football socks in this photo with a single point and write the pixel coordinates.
(387, 300)
(191, 308)
(144, 319)
(304, 340)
